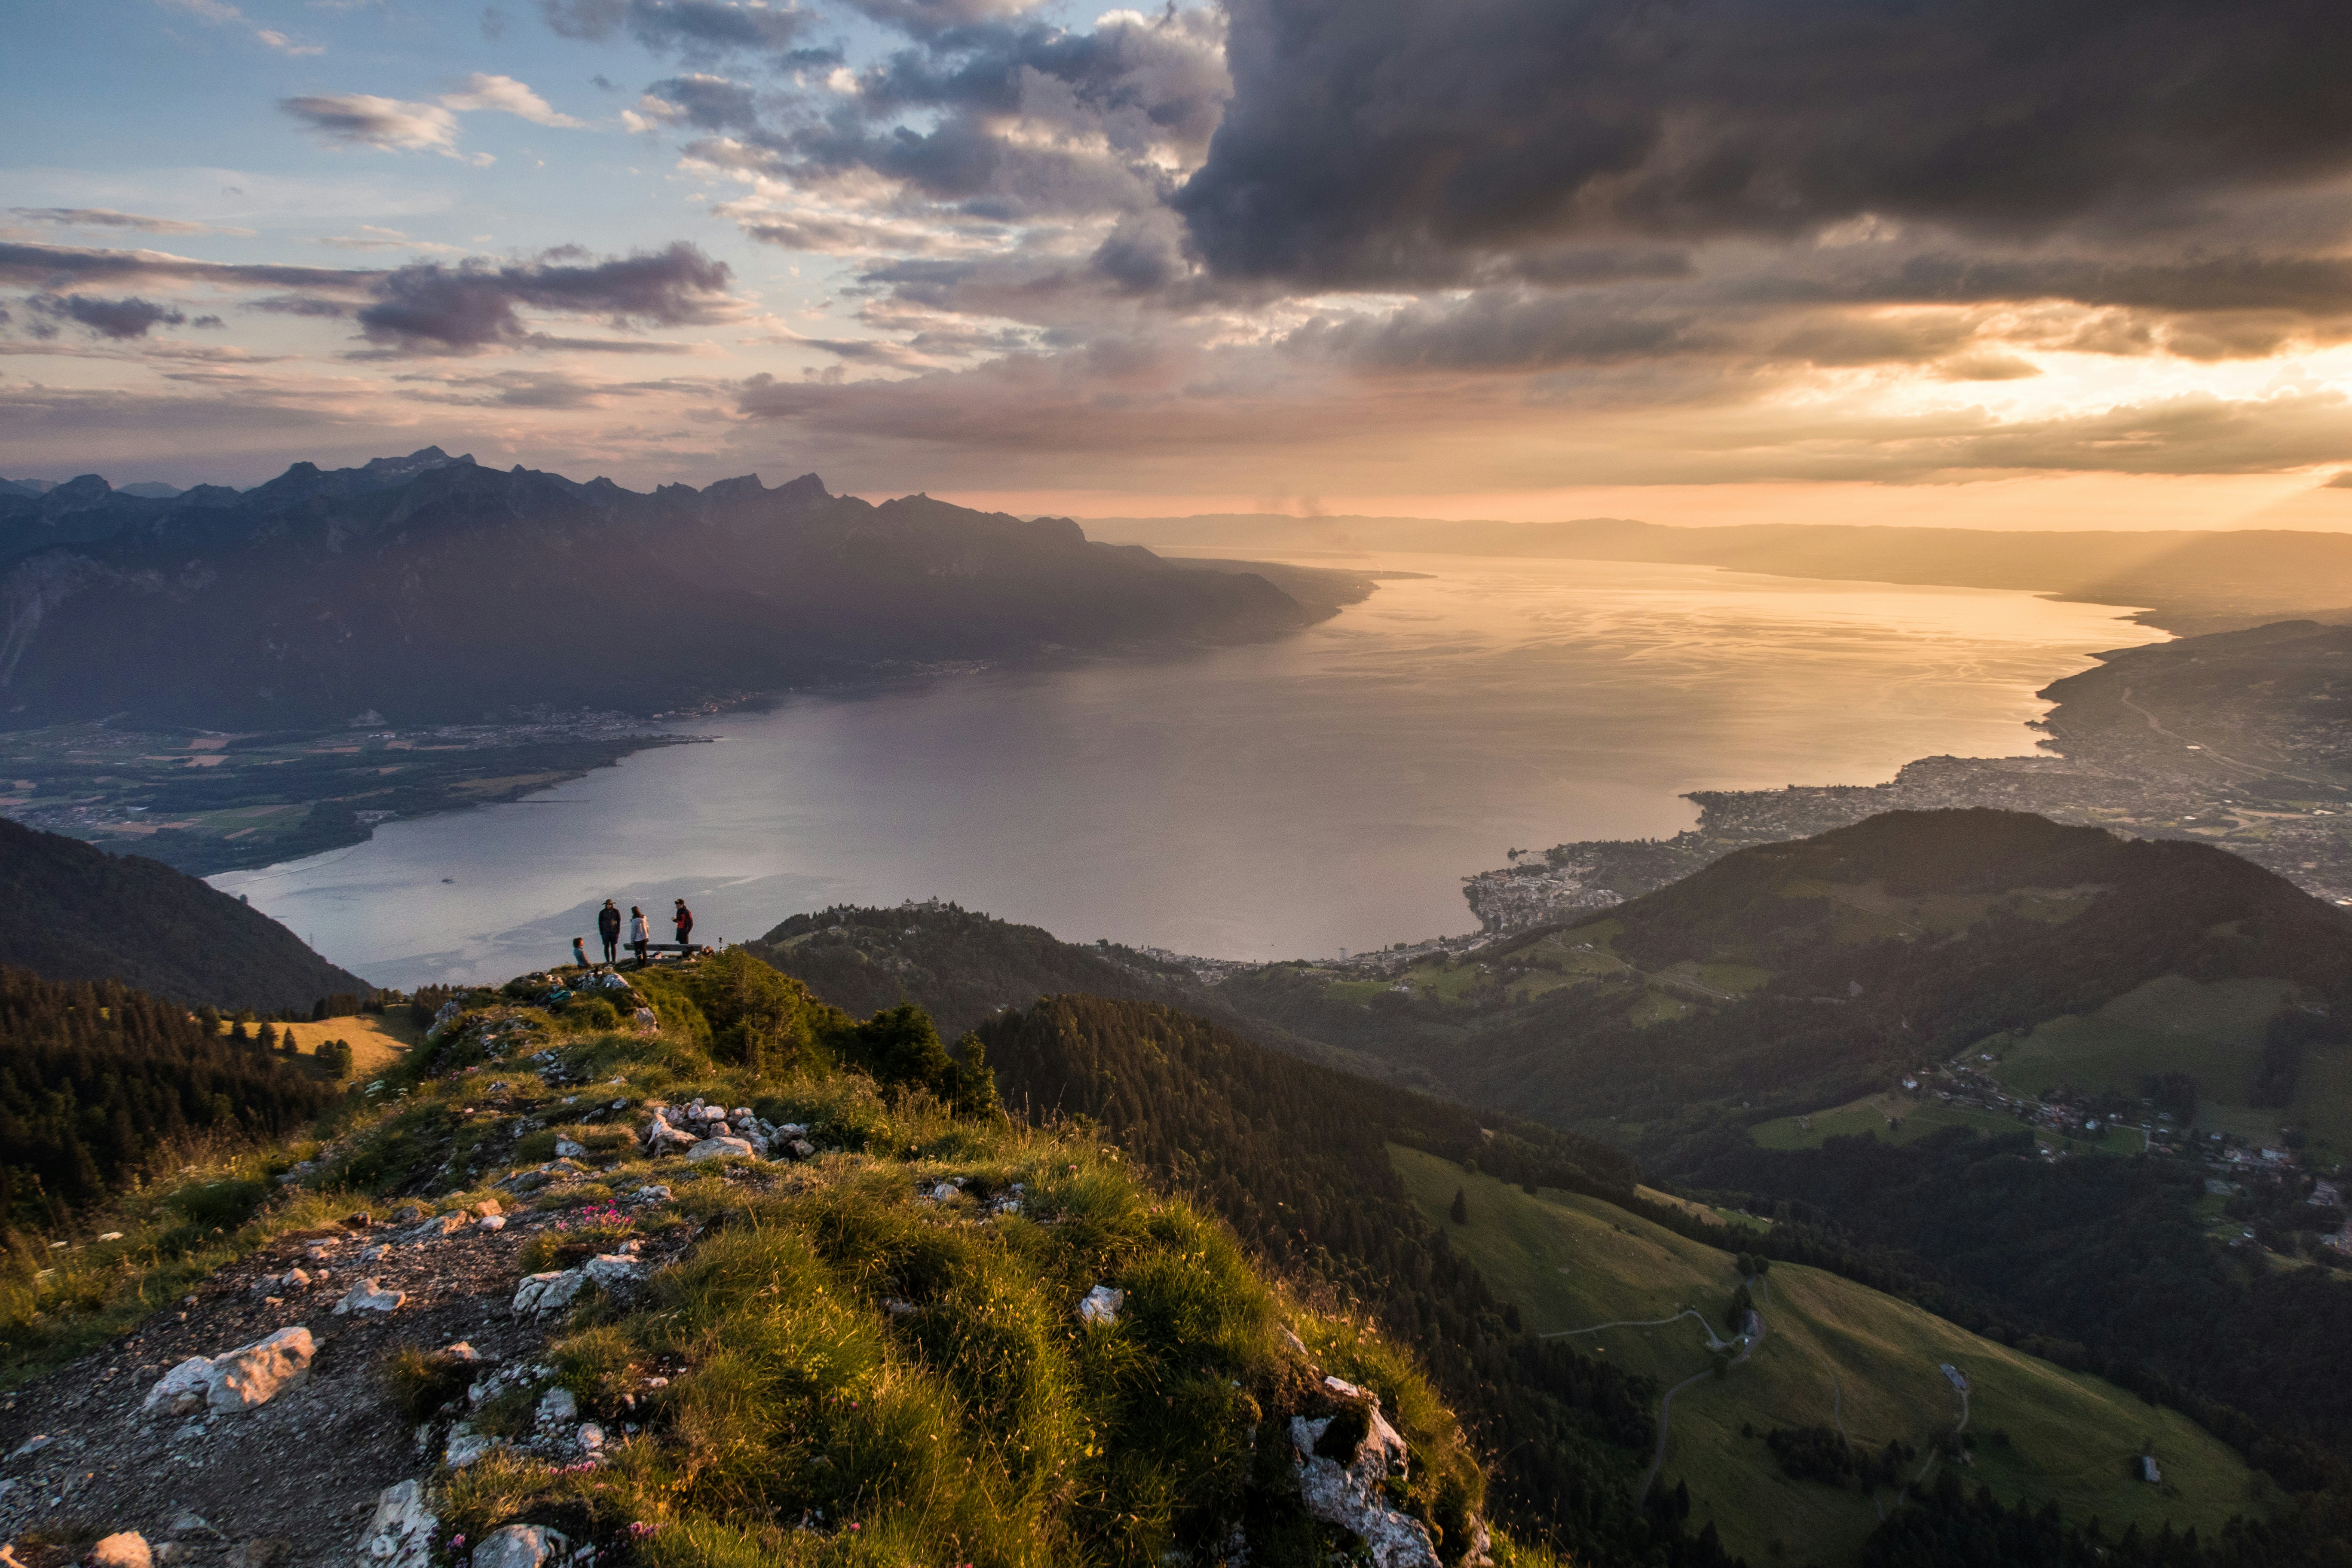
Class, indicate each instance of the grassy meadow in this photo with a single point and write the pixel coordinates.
(1835, 1354)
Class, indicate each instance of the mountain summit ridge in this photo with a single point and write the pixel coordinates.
(430, 588)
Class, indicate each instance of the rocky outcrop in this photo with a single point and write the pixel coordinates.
(1344, 1489)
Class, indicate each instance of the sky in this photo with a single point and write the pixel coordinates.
(1999, 263)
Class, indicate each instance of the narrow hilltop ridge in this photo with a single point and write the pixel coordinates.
(689, 1267)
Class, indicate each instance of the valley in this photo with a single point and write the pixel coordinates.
(1836, 1357)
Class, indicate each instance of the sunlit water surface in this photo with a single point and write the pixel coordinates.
(1326, 792)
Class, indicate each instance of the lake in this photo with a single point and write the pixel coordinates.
(1286, 800)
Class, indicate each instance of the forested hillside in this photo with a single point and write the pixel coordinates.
(80, 913)
(1792, 976)
(96, 1080)
(963, 967)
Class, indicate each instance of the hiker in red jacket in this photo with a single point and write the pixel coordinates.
(684, 920)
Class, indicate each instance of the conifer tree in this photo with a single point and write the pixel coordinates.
(1460, 1213)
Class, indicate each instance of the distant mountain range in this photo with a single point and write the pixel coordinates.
(2190, 581)
(428, 588)
(78, 913)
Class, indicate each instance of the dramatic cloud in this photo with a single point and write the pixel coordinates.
(107, 217)
(1406, 143)
(474, 305)
(118, 319)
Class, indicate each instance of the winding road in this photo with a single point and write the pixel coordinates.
(1752, 1337)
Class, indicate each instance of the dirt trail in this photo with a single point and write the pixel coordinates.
(1752, 1335)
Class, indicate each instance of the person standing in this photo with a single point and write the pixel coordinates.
(608, 926)
(684, 920)
(641, 934)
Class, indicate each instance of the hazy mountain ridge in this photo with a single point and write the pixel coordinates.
(428, 588)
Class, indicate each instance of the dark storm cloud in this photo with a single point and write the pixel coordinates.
(117, 318)
(695, 29)
(1373, 140)
(431, 308)
(1501, 330)
(2312, 285)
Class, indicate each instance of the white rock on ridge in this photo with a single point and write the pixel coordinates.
(521, 1546)
(546, 1292)
(1102, 1305)
(370, 1296)
(565, 1148)
(181, 1390)
(125, 1549)
(400, 1535)
(1350, 1497)
(721, 1149)
(252, 1375)
(492, 1222)
(234, 1380)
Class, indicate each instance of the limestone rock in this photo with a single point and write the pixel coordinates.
(565, 1148)
(234, 1380)
(1102, 1305)
(254, 1374)
(521, 1546)
(557, 1407)
(547, 1292)
(400, 1535)
(1348, 1495)
(370, 1296)
(721, 1149)
(126, 1549)
(181, 1390)
(491, 1222)
(611, 1270)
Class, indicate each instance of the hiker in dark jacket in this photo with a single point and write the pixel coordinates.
(608, 926)
(684, 920)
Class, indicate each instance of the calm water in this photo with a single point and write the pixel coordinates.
(1327, 792)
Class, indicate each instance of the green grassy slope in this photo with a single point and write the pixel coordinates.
(1834, 1351)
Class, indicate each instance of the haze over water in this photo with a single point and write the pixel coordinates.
(1329, 791)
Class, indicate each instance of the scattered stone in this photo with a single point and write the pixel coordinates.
(261, 1551)
(557, 1407)
(460, 1350)
(370, 1296)
(592, 1436)
(125, 1549)
(565, 1148)
(400, 1535)
(191, 1523)
(176, 1393)
(295, 1278)
(1101, 1305)
(898, 1308)
(721, 1149)
(521, 1546)
(465, 1445)
(1296, 1346)
(488, 1208)
(491, 1222)
(408, 1214)
(654, 1194)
